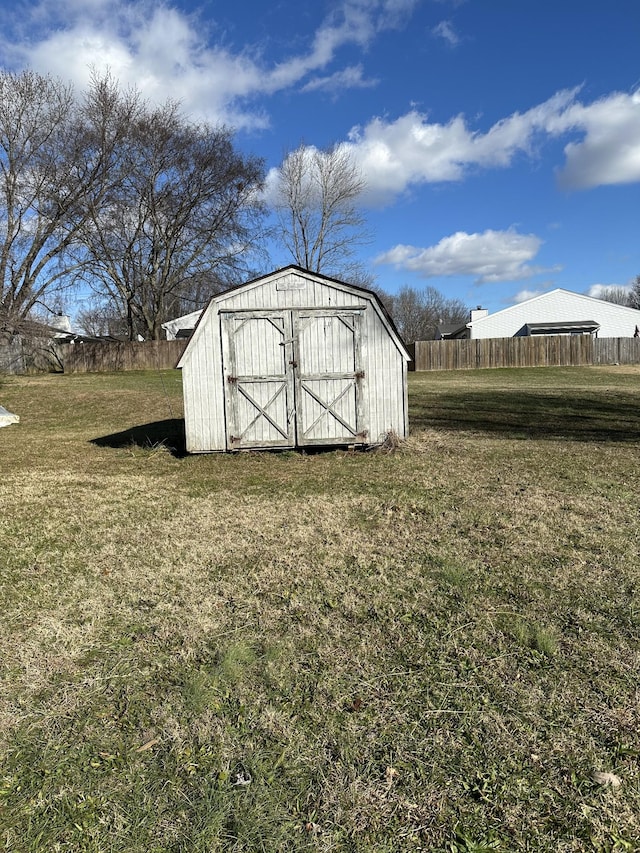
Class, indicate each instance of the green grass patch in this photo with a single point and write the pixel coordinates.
(432, 649)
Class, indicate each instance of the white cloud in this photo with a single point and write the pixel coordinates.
(348, 78)
(491, 256)
(610, 150)
(160, 51)
(410, 150)
(166, 53)
(446, 31)
(524, 296)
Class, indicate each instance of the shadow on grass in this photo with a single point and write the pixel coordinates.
(169, 434)
(519, 414)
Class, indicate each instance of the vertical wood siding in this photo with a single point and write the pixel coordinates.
(537, 351)
(385, 372)
(104, 357)
(330, 402)
(203, 393)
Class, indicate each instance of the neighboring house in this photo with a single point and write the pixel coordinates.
(60, 324)
(182, 327)
(559, 312)
(451, 331)
(32, 346)
(293, 359)
(456, 331)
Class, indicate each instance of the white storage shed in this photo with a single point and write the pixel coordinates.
(293, 359)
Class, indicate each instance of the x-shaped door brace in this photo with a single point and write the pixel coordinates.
(262, 412)
(328, 408)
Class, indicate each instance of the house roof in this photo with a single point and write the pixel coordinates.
(581, 298)
(186, 321)
(448, 330)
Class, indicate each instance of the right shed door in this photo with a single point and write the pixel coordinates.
(330, 384)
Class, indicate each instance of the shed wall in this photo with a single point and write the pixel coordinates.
(203, 390)
(386, 372)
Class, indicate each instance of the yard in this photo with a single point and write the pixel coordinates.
(430, 649)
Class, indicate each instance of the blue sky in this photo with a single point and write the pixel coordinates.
(499, 139)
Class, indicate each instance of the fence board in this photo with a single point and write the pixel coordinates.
(122, 355)
(617, 351)
(534, 351)
(12, 358)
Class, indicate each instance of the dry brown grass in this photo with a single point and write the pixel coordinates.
(434, 648)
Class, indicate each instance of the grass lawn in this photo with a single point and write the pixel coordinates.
(434, 649)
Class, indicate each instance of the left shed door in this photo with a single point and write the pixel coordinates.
(258, 384)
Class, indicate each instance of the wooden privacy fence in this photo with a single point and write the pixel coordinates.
(27, 354)
(120, 355)
(539, 351)
(536, 351)
(12, 357)
(616, 351)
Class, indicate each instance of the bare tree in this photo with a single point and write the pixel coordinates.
(183, 221)
(97, 318)
(618, 295)
(418, 313)
(318, 218)
(633, 298)
(56, 162)
(627, 296)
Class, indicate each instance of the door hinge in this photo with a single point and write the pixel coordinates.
(293, 363)
(232, 379)
(360, 374)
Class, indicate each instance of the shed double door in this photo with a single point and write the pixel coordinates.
(294, 377)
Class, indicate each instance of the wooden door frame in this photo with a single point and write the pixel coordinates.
(293, 319)
(359, 432)
(233, 382)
